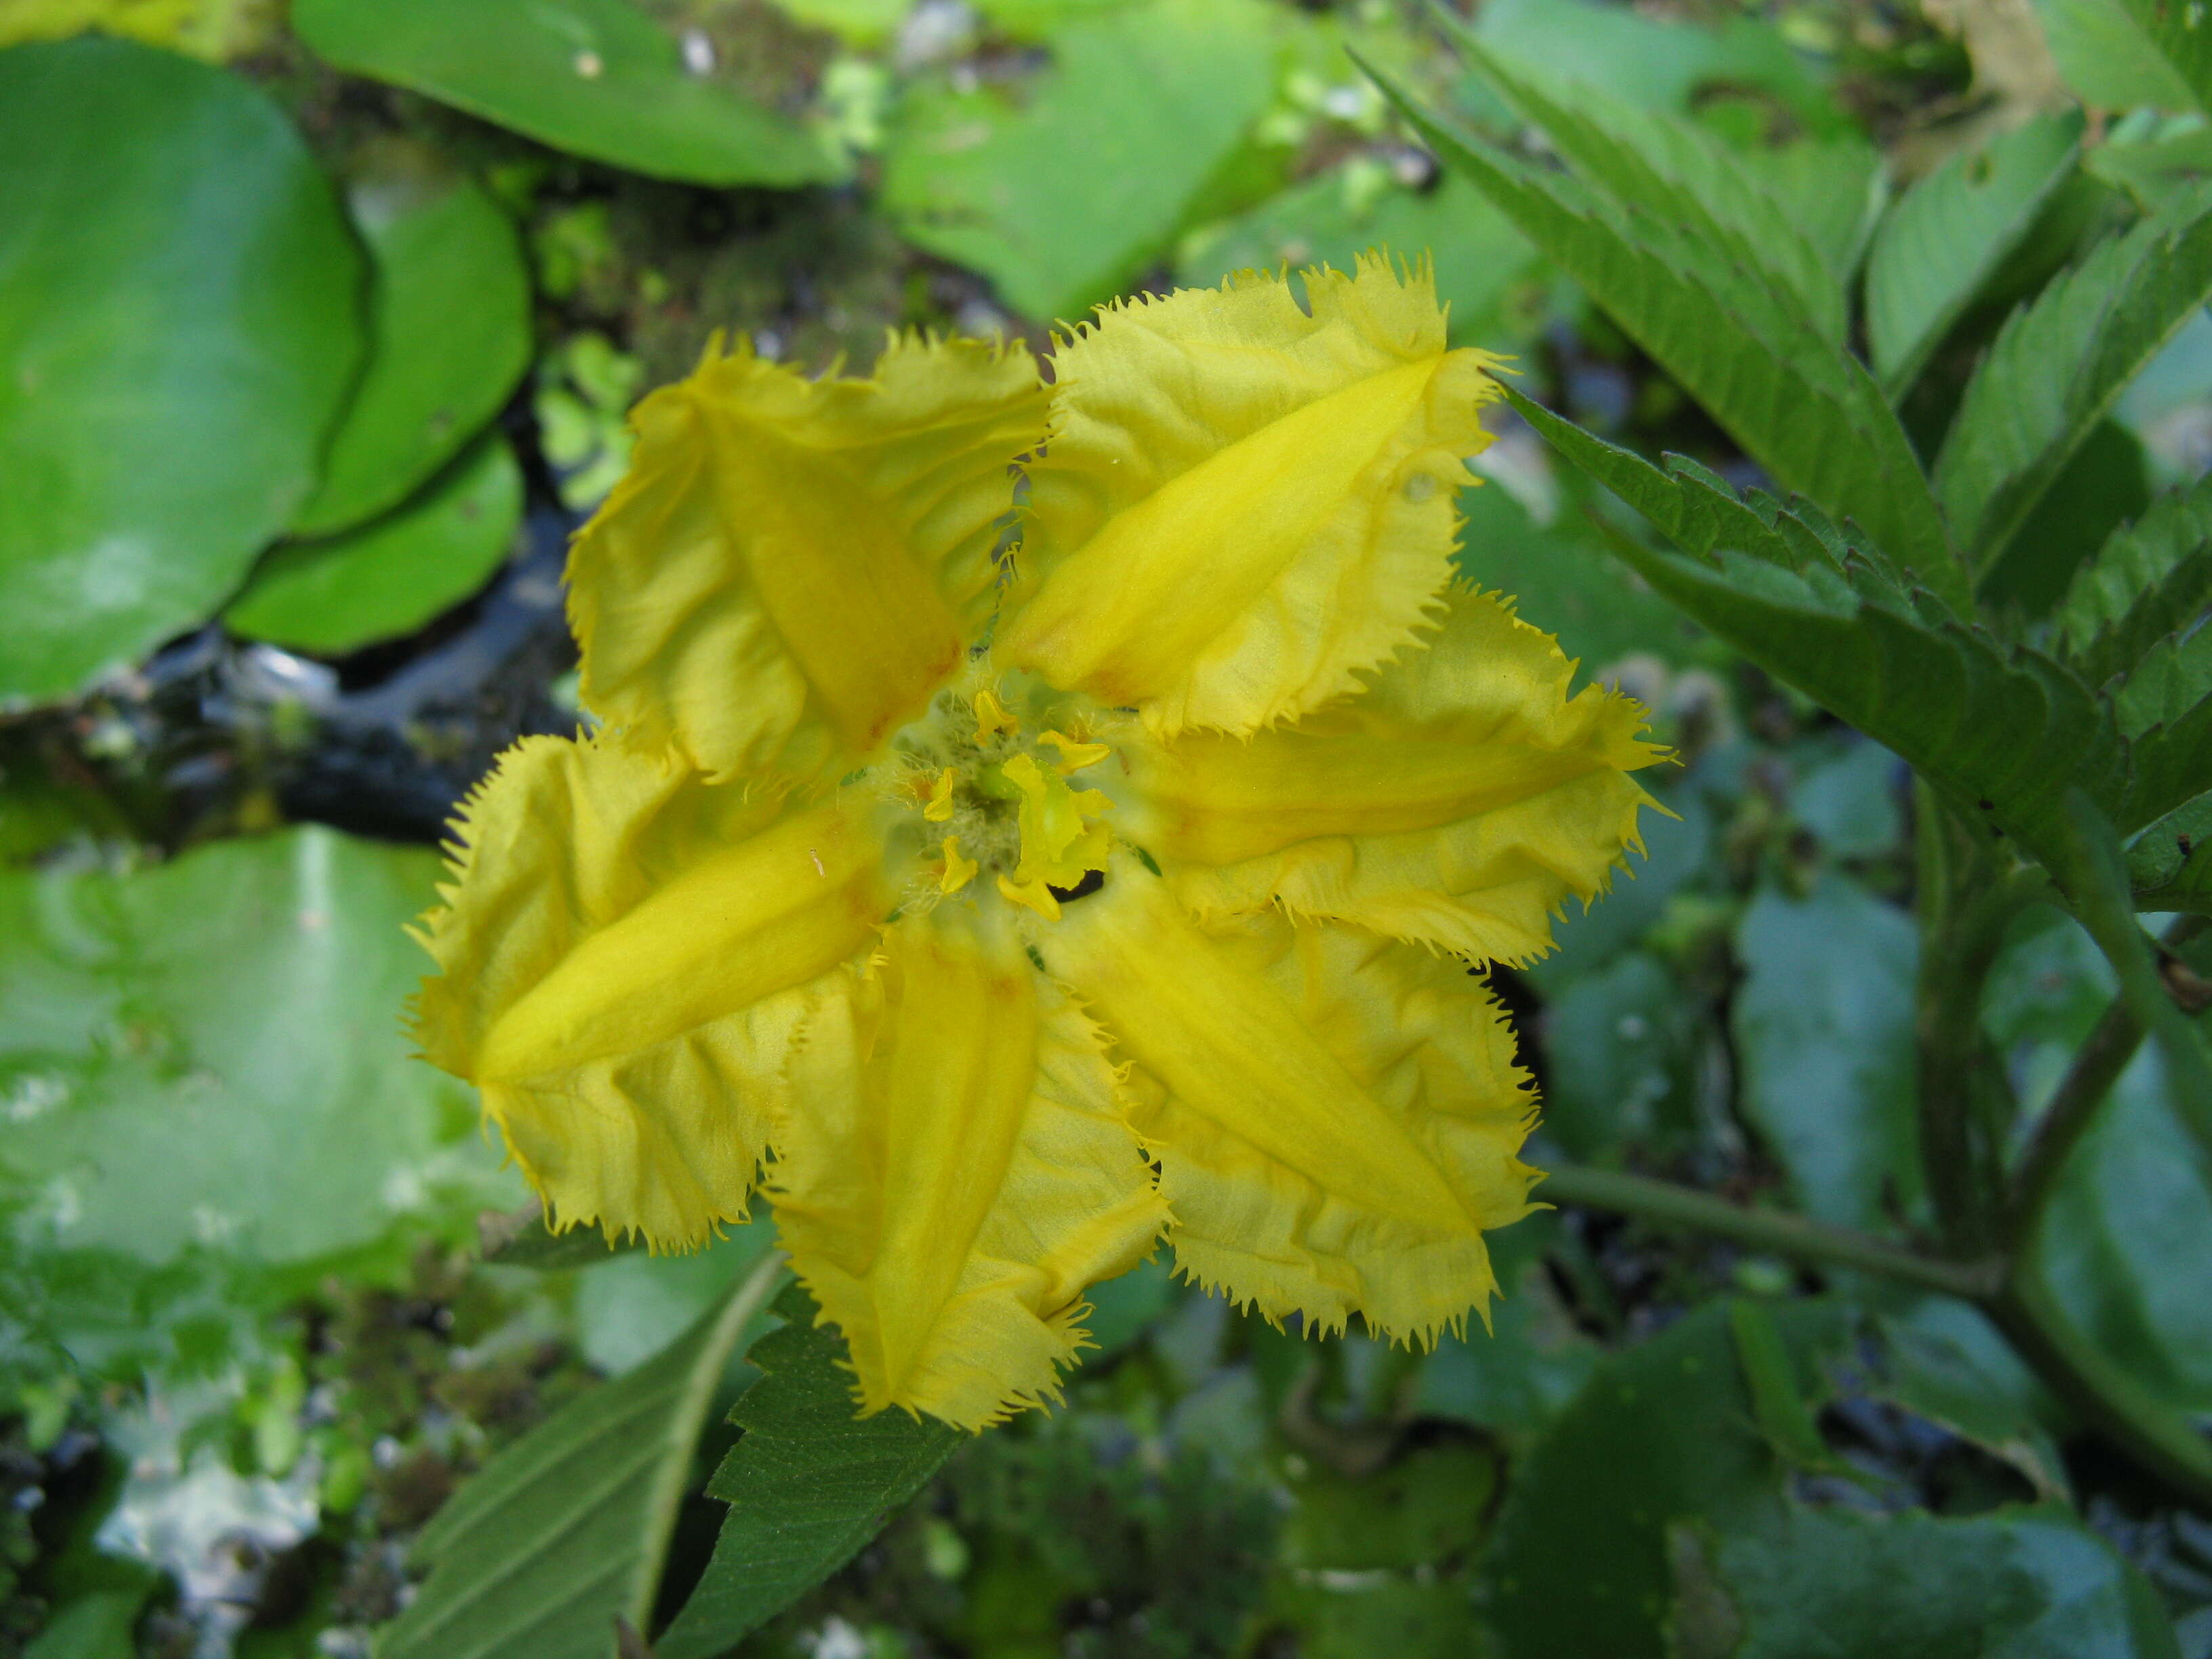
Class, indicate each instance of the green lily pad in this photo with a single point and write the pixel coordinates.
(1824, 1028)
(389, 577)
(2030, 1583)
(450, 318)
(208, 1095)
(1665, 1432)
(180, 322)
(1063, 198)
(1480, 259)
(597, 78)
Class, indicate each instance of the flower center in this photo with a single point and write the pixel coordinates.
(988, 780)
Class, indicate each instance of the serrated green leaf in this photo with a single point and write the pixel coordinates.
(1675, 169)
(2107, 57)
(597, 78)
(2154, 170)
(520, 1238)
(2060, 362)
(807, 1486)
(2149, 580)
(2166, 687)
(2104, 483)
(1834, 190)
(2181, 30)
(563, 1533)
(2001, 729)
(1945, 236)
(2170, 863)
(1811, 415)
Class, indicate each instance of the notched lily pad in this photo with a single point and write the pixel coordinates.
(449, 302)
(180, 322)
(597, 78)
(391, 575)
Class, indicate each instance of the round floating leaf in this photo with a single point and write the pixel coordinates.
(596, 77)
(203, 1074)
(1480, 259)
(1061, 199)
(179, 322)
(389, 577)
(450, 321)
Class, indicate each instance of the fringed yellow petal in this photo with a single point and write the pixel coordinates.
(1461, 801)
(954, 1168)
(617, 957)
(791, 565)
(1243, 504)
(1336, 1116)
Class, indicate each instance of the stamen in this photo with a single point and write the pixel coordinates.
(1074, 755)
(958, 871)
(1034, 894)
(991, 717)
(940, 798)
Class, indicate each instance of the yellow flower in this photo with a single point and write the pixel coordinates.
(999, 927)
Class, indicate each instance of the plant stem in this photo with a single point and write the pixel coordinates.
(1963, 1095)
(2161, 1441)
(2081, 1095)
(1767, 1229)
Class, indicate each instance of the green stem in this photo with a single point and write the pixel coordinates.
(1964, 1097)
(2081, 1095)
(2104, 1395)
(1767, 1229)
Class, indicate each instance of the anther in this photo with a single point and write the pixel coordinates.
(940, 798)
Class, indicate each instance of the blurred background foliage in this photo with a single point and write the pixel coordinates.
(318, 330)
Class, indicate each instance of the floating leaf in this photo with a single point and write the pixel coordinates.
(392, 574)
(1480, 259)
(450, 322)
(1823, 1025)
(179, 326)
(200, 1064)
(1664, 1431)
(2027, 1584)
(1061, 199)
(598, 78)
